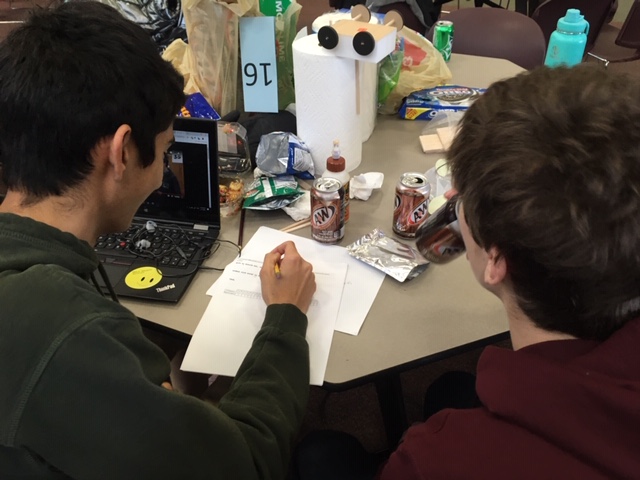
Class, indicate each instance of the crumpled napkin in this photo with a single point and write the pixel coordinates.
(361, 186)
(301, 208)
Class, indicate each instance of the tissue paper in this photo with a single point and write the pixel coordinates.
(326, 103)
(361, 186)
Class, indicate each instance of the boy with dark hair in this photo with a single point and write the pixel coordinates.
(86, 113)
(547, 168)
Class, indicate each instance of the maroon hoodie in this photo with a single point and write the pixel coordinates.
(567, 409)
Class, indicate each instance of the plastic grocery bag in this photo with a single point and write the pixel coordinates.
(209, 62)
(161, 18)
(389, 71)
(422, 67)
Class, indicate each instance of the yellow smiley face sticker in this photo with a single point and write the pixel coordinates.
(143, 277)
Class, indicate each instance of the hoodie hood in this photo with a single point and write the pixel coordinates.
(25, 242)
(582, 396)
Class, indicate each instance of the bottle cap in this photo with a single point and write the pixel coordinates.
(336, 164)
(573, 22)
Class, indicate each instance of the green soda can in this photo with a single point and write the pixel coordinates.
(443, 38)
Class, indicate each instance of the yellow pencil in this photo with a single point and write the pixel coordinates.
(277, 269)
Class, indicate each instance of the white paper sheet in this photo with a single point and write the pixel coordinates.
(361, 286)
(236, 311)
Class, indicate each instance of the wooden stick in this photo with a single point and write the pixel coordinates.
(241, 229)
(357, 62)
(296, 226)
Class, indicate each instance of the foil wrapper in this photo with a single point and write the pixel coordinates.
(399, 260)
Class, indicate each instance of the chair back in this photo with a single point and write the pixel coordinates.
(629, 35)
(409, 18)
(595, 12)
(497, 33)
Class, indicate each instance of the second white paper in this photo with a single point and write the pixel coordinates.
(236, 312)
(362, 283)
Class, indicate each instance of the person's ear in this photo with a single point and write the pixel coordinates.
(449, 194)
(120, 151)
(496, 268)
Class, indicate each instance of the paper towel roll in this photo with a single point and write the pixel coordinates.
(326, 107)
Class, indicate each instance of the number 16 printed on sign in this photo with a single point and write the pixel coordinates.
(259, 72)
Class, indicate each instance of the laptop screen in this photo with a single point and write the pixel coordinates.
(189, 191)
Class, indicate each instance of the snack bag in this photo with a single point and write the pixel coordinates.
(282, 153)
(272, 193)
(197, 106)
(425, 104)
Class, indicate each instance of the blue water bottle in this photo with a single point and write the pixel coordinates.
(568, 41)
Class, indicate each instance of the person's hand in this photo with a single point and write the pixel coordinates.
(296, 282)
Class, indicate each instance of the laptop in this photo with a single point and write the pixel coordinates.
(175, 228)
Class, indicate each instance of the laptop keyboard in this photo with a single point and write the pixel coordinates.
(166, 245)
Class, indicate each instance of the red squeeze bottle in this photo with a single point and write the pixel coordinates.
(336, 168)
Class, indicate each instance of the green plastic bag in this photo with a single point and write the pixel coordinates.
(286, 13)
(389, 71)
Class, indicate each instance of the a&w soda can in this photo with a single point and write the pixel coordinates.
(443, 38)
(439, 239)
(411, 204)
(327, 220)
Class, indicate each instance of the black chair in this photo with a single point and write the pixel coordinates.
(481, 3)
(430, 10)
(628, 37)
(497, 33)
(409, 19)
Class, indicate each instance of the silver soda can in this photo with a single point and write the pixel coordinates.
(438, 239)
(411, 204)
(327, 220)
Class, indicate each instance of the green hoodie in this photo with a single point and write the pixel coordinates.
(80, 392)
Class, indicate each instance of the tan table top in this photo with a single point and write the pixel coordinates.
(442, 309)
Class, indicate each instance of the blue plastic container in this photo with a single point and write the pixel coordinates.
(567, 43)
